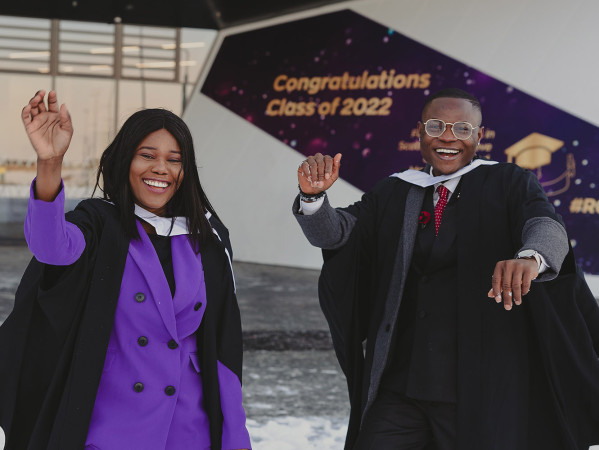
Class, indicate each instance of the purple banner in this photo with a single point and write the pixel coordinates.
(343, 83)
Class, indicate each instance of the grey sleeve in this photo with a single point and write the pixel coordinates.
(327, 228)
(549, 238)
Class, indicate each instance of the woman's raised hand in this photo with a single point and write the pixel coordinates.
(317, 173)
(50, 131)
(49, 128)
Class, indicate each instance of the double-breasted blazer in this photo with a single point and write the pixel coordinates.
(61, 343)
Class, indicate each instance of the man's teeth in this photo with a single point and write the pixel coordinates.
(447, 151)
(160, 184)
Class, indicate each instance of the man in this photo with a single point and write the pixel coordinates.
(444, 367)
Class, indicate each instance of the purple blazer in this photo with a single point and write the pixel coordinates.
(150, 394)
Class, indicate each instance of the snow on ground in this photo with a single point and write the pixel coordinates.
(297, 433)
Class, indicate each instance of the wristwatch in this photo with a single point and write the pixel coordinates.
(525, 254)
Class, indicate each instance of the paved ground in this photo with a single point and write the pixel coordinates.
(290, 368)
(294, 393)
(13, 260)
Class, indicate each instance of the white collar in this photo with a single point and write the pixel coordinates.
(451, 185)
(424, 179)
(162, 225)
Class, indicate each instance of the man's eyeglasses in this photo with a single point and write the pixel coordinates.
(436, 127)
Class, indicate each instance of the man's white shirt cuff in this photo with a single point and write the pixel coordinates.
(309, 208)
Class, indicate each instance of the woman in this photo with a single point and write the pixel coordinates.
(125, 332)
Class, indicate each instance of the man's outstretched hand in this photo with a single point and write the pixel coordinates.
(512, 279)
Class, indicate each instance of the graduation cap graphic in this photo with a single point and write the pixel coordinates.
(534, 151)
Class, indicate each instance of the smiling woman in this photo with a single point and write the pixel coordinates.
(126, 322)
(156, 171)
(144, 166)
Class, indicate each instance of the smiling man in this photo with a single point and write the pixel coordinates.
(449, 133)
(432, 272)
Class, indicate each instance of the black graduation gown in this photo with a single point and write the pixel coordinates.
(53, 344)
(527, 378)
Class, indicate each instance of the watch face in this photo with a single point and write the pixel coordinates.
(526, 253)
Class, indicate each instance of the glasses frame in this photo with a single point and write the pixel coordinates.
(452, 132)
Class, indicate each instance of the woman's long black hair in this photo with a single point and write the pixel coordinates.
(189, 201)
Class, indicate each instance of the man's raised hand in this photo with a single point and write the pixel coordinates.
(317, 173)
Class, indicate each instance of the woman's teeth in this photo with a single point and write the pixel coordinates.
(159, 184)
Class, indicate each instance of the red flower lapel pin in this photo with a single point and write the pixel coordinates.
(424, 218)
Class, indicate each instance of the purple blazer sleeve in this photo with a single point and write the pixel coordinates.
(52, 239)
(235, 434)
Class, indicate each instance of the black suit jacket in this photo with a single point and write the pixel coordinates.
(423, 356)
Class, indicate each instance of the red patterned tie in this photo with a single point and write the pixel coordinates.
(440, 206)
